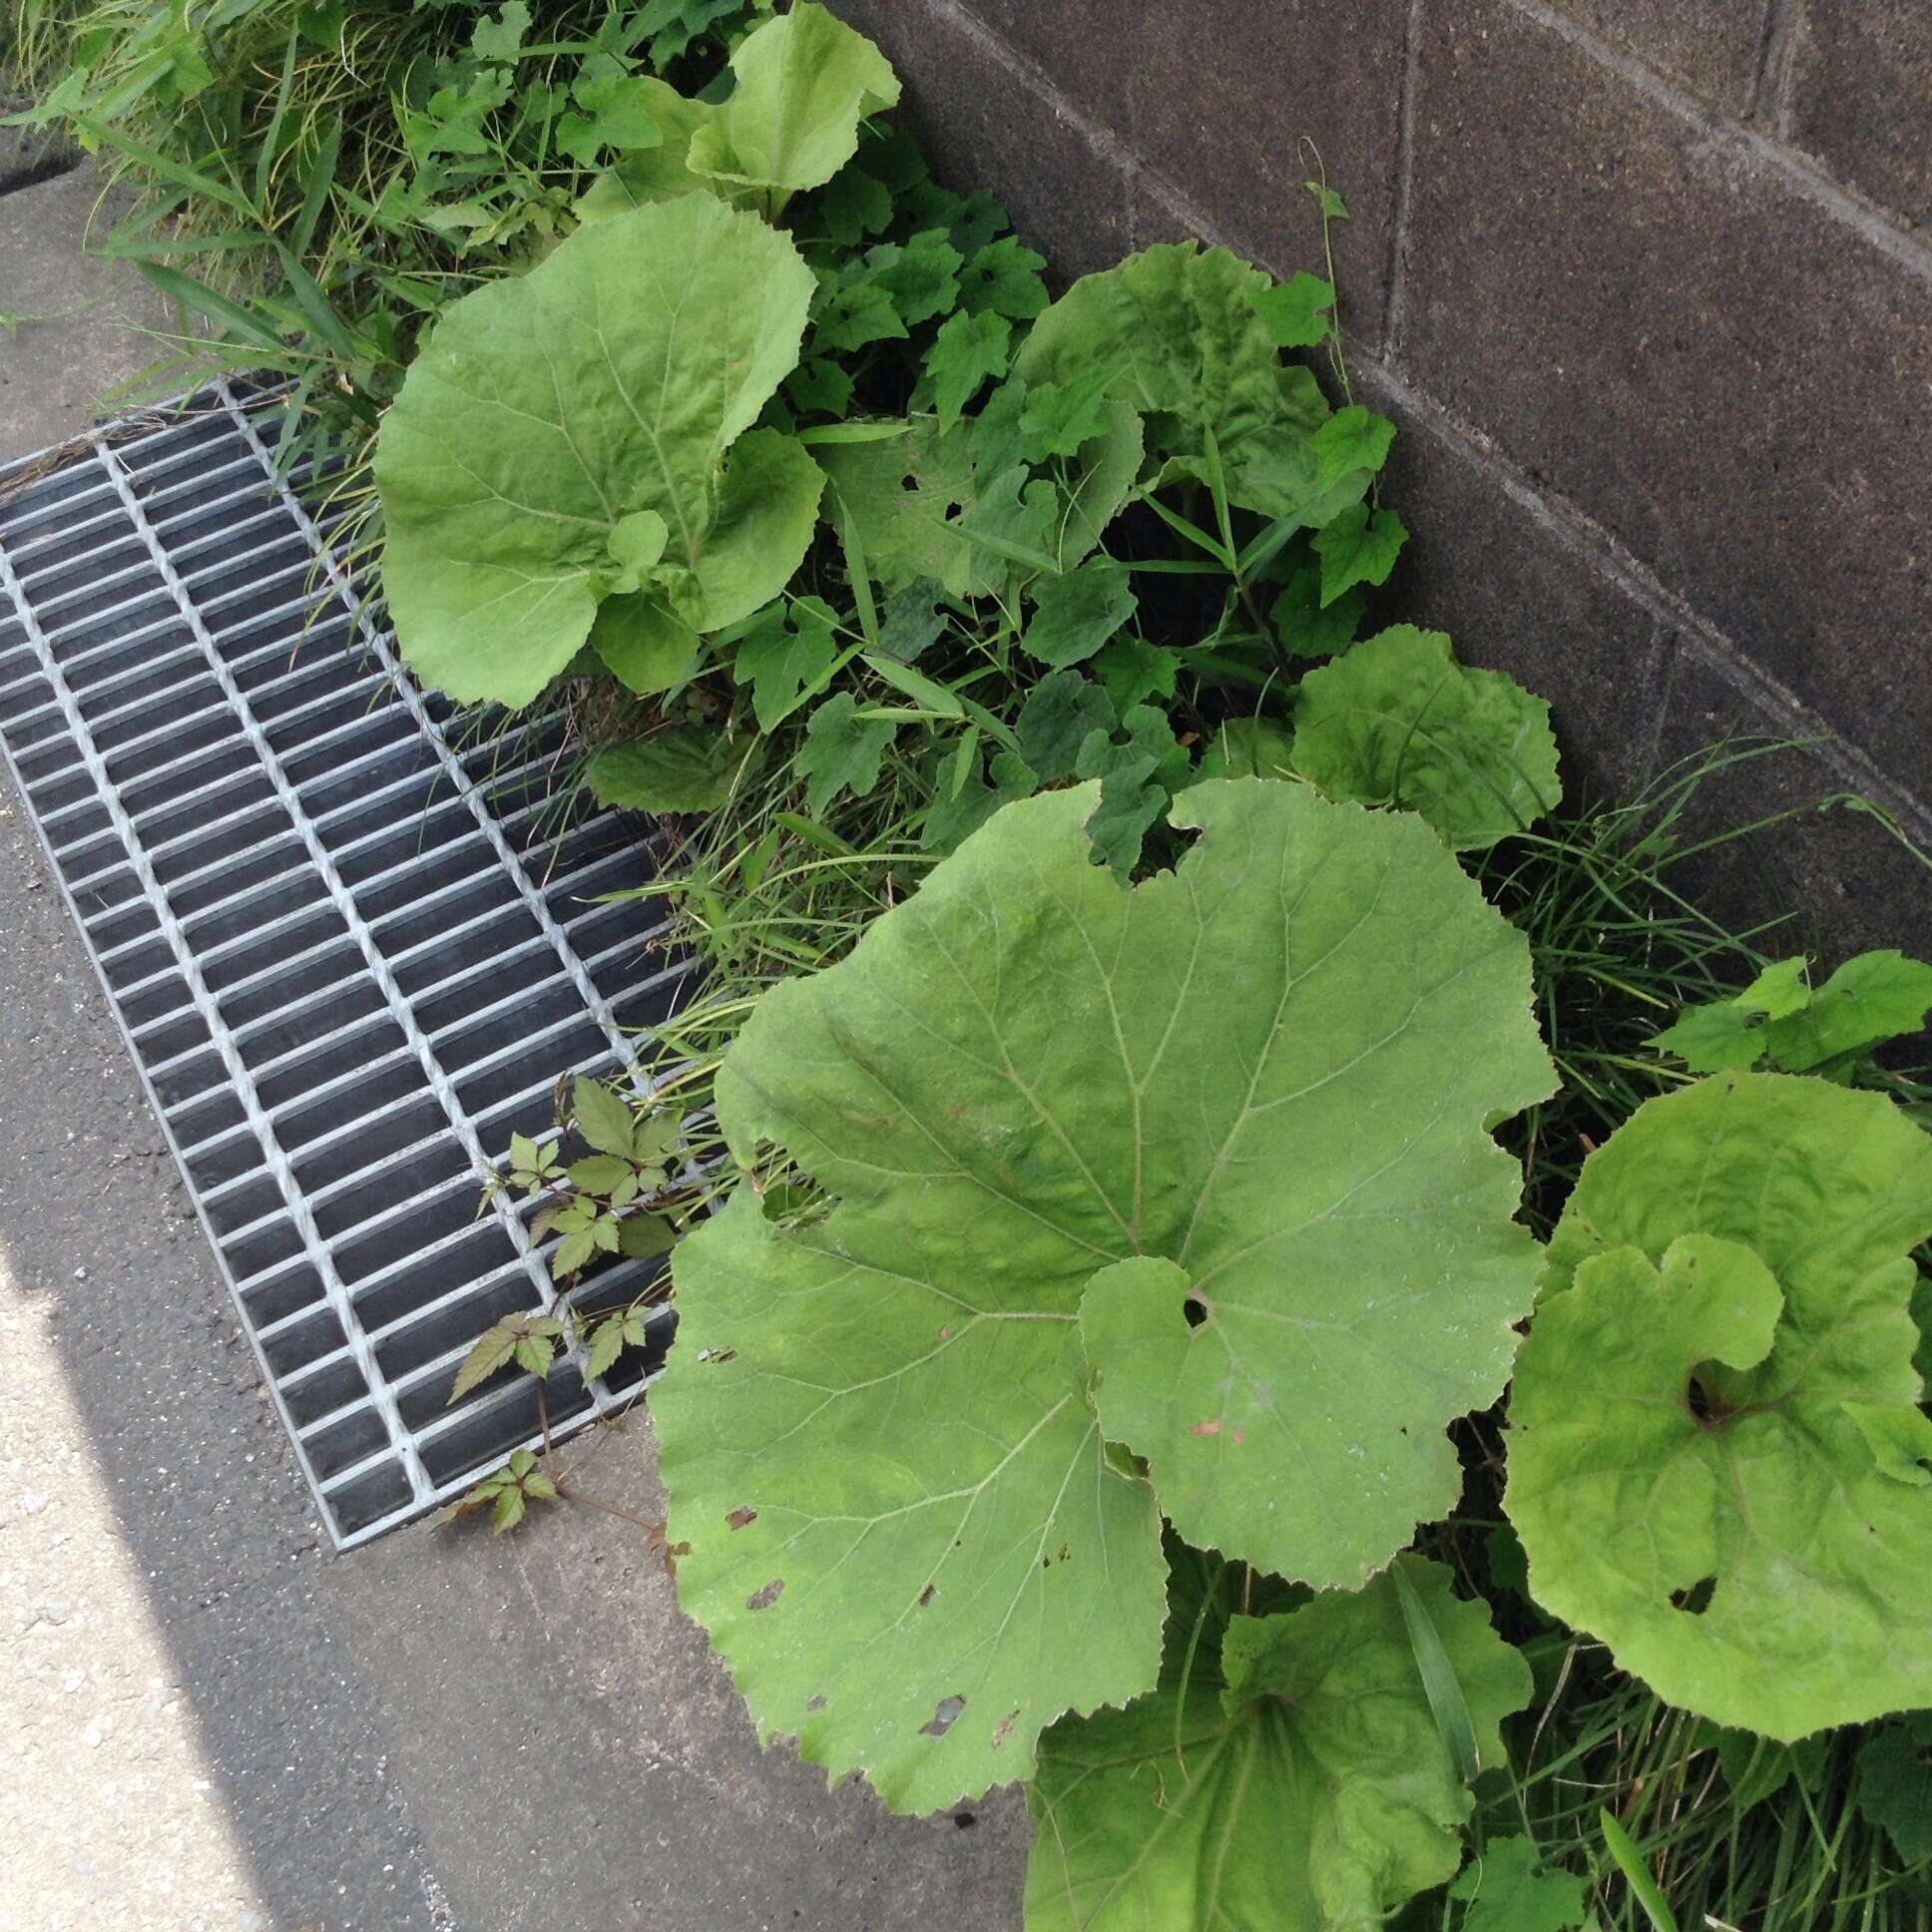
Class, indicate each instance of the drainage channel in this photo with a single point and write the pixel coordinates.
(351, 947)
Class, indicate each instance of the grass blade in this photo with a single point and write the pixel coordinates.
(1637, 1874)
(1439, 1682)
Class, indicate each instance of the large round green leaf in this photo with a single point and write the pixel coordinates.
(1717, 1461)
(1263, 1082)
(1396, 720)
(549, 411)
(1310, 1791)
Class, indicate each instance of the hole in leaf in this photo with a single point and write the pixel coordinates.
(945, 1714)
(744, 1514)
(1707, 1408)
(766, 1598)
(1697, 1599)
(964, 1820)
(1197, 1308)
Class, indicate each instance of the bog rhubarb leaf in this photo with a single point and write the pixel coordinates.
(1305, 1787)
(1053, 1116)
(1396, 720)
(1716, 1444)
(550, 412)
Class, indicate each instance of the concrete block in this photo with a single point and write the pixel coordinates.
(1710, 47)
(1216, 98)
(1660, 326)
(1091, 50)
(1862, 97)
(984, 126)
(1838, 880)
(1516, 594)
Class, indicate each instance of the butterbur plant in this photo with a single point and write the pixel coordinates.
(1118, 1356)
(1719, 1462)
(1168, 1238)
(1131, 1243)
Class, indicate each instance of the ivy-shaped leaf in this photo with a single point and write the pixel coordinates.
(1131, 671)
(853, 205)
(921, 276)
(855, 315)
(1875, 997)
(1311, 1791)
(786, 658)
(1357, 548)
(1352, 439)
(1059, 416)
(1308, 628)
(660, 172)
(1396, 720)
(968, 352)
(1060, 713)
(1505, 1892)
(1725, 1317)
(501, 38)
(1004, 276)
(681, 768)
(1271, 1072)
(1781, 1022)
(1075, 614)
(1295, 311)
(842, 752)
(1895, 1784)
(529, 431)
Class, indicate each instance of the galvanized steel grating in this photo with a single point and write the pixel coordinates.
(351, 950)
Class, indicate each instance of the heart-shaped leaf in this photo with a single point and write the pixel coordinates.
(1711, 1421)
(1264, 1083)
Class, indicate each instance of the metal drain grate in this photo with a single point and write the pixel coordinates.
(350, 953)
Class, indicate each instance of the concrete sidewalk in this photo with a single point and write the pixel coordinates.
(213, 1722)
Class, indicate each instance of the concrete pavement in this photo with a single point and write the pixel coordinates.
(212, 1722)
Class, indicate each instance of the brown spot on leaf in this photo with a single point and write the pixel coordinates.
(945, 1334)
(1064, 1554)
(815, 1704)
(1004, 1728)
(766, 1598)
(925, 1596)
(744, 1514)
(1240, 1436)
(945, 1714)
(1206, 1426)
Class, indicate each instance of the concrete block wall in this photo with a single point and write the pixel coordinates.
(1647, 286)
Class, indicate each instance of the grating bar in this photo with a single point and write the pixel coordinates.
(351, 952)
(244, 1087)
